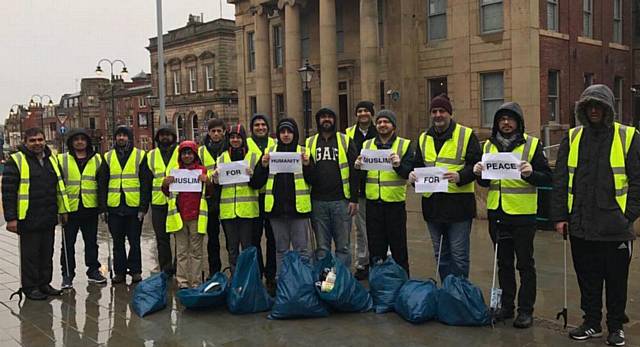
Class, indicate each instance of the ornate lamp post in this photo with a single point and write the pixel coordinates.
(306, 75)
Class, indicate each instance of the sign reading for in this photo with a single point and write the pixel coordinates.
(499, 166)
(285, 162)
(185, 181)
(233, 172)
(376, 159)
(430, 180)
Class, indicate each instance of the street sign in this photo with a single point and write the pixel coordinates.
(62, 119)
(63, 129)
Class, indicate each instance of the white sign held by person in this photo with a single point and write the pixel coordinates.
(285, 162)
(376, 159)
(498, 166)
(185, 181)
(430, 180)
(233, 173)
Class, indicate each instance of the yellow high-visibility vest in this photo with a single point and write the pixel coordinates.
(303, 196)
(622, 137)
(207, 159)
(253, 147)
(174, 220)
(239, 200)
(387, 186)
(451, 156)
(516, 196)
(25, 179)
(124, 180)
(80, 183)
(160, 171)
(343, 163)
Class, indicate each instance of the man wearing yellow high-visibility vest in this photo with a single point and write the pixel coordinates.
(386, 193)
(449, 215)
(597, 197)
(512, 207)
(127, 201)
(33, 195)
(160, 161)
(79, 167)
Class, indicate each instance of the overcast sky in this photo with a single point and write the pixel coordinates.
(47, 46)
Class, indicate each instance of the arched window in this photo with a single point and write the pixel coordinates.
(180, 127)
(195, 130)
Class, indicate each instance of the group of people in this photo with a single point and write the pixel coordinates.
(596, 198)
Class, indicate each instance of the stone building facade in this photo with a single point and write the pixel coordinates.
(200, 75)
(401, 53)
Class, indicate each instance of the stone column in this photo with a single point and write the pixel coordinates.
(369, 78)
(263, 66)
(328, 55)
(293, 59)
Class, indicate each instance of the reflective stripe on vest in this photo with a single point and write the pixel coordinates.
(207, 159)
(125, 180)
(174, 220)
(515, 196)
(387, 186)
(343, 163)
(160, 171)
(302, 189)
(77, 183)
(452, 155)
(239, 200)
(22, 164)
(622, 137)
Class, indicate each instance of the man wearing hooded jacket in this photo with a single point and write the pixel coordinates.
(79, 168)
(596, 196)
(512, 207)
(160, 161)
(124, 193)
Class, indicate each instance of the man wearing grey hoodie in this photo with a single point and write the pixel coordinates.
(597, 197)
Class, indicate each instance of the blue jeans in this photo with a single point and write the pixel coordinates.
(331, 220)
(454, 258)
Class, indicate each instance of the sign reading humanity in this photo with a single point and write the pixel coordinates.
(285, 162)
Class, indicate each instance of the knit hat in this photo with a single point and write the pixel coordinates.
(286, 124)
(388, 114)
(441, 101)
(365, 104)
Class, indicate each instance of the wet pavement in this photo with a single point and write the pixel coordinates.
(93, 315)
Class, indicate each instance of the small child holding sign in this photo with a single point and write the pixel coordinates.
(187, 218)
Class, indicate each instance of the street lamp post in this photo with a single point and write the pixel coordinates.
(40, 104)
(124, 72)
(18, 113)
(306, 75)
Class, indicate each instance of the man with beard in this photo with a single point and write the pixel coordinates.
(363, 130)
(160, 161)
(334, 186)
(258, 142)
(212, 148)
(127, 201)
(31, 208)
(79, 168)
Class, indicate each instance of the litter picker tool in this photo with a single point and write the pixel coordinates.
(64, 249)
(439, 255)
(563, 313)
(496, 293)
(19, 291)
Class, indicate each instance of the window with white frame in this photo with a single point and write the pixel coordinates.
(208, 76)
(587, 18)
(617, 21)
(142, 101)
(617, 95)
(437, 20)
(492, 95)
(552, 15)
(553, 96)
(277, 46)
(491, 16)
(193, 81)
(176, 82)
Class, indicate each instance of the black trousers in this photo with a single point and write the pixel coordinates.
(262, 223)
(126, 227)
(88, 225)
(515, 242)
(36, 257)
(597, 263)
(213, 242)
(166, 260)
(387, 228)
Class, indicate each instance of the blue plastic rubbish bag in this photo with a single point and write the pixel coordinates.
(150, 295)
(461, 303)
(347, 295)
(296, 295)
(247, 294)
(417, 301)
(385, 280)
(212, 293)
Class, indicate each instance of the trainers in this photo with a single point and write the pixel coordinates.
(67, 282)
(584, 332)
(135, 278)
(97, 277)
(118, 279)
(616, 338)
(523, 321)
(362, 274)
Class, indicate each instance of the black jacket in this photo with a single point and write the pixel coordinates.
(42, 214)
(596, 216)
(326, 182)
(444, 207)
(541, 175)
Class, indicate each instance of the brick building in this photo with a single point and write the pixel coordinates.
(200, 75)
(401, 53)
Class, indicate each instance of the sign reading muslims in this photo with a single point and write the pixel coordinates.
(376, 159)
(185, 181)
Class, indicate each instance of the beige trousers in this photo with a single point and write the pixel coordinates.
(189, 255)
